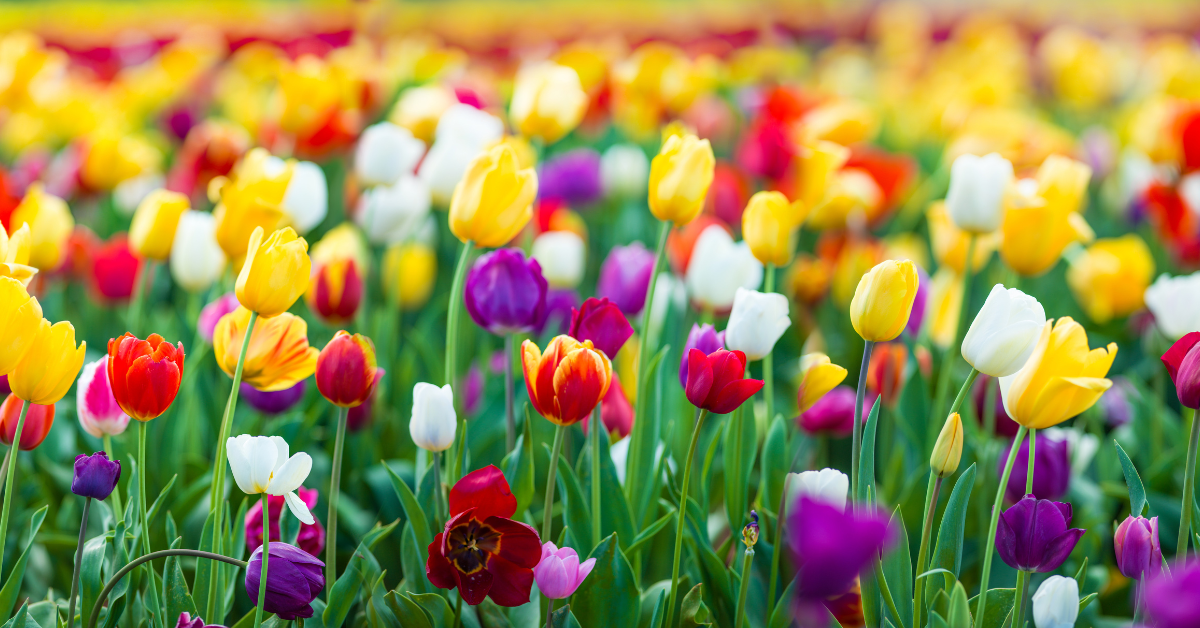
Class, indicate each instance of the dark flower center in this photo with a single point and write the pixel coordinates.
(469, 544)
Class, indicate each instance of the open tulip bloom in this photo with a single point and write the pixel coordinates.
(262, 465)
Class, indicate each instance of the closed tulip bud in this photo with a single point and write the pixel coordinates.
(624, 170)
(493, 202)
(559, 572)
(1033, 535)
(567, 381)
(718, 267)
(1061, 379)
(548, 101)
(396, 212)
(883, 300)
(99, 413)
(385, 153)
(756, 322)
(1183, 364)
(562, 256)
(947, 451)
(14, 254)
(95, 476)
(409, 274)
(975, 199)
(275, 272)
(718, 382)
(152, 232)
(602, 323)
(434, 422)
(1136, 546)
(1110, 278)
(144, 374)
(818, 376)
(336, 291)
(197, 260)
(769, 227)
(278, 355)
(346, 369)
(20, 316)
(827, 485)
(679, 178)
(50, 224)
(1175, 303)
(38, 421)
(1056, 603)
(296, 580)
(1004, 332)
(46, 372)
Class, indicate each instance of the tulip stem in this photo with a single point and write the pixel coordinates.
(1023, 578)
(768, 361)
(458, 611)
(962, 392)
(14, 450)
(453, 310)
(559, 433)
(87, 506)
(858, 409)
(745, 588)
(439, 496)
(510, 418)
(266, 554)
(931, 500)
(990, 547)
(1189, 488)
(137, 562)
(140, 287)
(701, 414)
(116, 494)
(331, 520)
(950, 357)
(1029, 468)
(550, 614)
(141, 476)
(596, 427)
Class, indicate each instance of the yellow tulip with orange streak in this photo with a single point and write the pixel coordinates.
(1061, 379)
(567, 381)
(278, 355)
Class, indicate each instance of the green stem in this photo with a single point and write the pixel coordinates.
(140, 288)
(640, 434)
(87, 506)
(962, 392)
(990, 547)
(952, 352)
(453, 310)
(458, 611)
(744, 589)
(858, 409)
(560, 432)
(142, 472)
(550, 613)
(116, 494)
(887, 592)
(1019, 605)
(266, 554)
(510, 417)
(14, 450)
(331, 520)
(1029, 468)
(701, 414)
(137, 562)
(768, 361)
(931, 500)
(440, 497)
(1189, 488)
(596, 427)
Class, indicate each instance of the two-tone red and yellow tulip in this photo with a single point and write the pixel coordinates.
(340, 262)
(14, 255)
(278, 355)
(769, 226)
(144, 374)
(50, 225)
(20, 315)
(1061, 379)
(680, 176)
(275, 274)
(46, 372)
(346, 370)
(494, 200)
(152, 231)
(883, 299)
(566, 381)
(818, 376)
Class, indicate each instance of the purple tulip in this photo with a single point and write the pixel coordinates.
(1033, 534)
(211, 314)
(833, 414)
(1117, 402)
(1051, 469)
(625, 276)
(472, 387)
(505, 292)
(294, 579)
(359, 416)
(602, 322)
(95, 475)
(703, 337)
(831, 546)
(1136, 545)
(572, 177)
(1172, 600)
(556, 316)
(917, 315)
(187, 621)
(273, 402)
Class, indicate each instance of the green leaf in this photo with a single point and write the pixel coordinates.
(960, 612)
(650, 532)
(866, 460)
(12, 586)
(693, 612)
(712, 568)
(436, 607)
(115, 609)
(158, 501)
(518, 466)
(741, 444)
(20, 620)
(116, 599)
(1081, 575)
(782, 617)
(412, 561)
(947, 553)
(774, 464)
(362, 568)
(527, 615)
(490, 615)
(897, 570)
(412, 510)
(615, 515)
(379, 615)
(1085, 600)
(660, 610)
(1137, 492)
(936, 621)
(44, 614)
(575, 506)
(564, 618)
(641, 483)
(203, 577)
(235, 540)
(175, 589)
(609, 596)
(91, 578)
(1000, 603)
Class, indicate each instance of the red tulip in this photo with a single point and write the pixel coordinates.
(38, 420)
(346, 370)
(144, 374)
(717, 382)
(602, 322)
(114, 269)
(336, 292)
(1183, 363)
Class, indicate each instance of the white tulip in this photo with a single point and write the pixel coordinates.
(261, 464)
(306, 199)
(1004, 333)
(975, 200)
(394, 213)
(1175, 303)
(197, 261)
(433, 421)
(385, 152)
(719, 267)
(827, 485)
(464, 123)
(562, 257)
(624, 170)
(131, 192)
(462, 134)
(1056, 603)
(756, 322)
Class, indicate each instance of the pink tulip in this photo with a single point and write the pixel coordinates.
(99, 414)
(559, 572)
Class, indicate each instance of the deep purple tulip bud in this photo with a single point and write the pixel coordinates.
(95, 475)
(1183, 363)
(1136, 546)
(1034, 535)
(187, 621)
(359, 416)
(831, 546)
(273, 402)
(572, 177)
(556, 316)
(1171, 599)
(602, 322)
(505, 292)
(1051, 469)
(625, 276)
(703, 337)
(916, 316)
(294, 579)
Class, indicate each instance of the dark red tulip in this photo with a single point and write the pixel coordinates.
(602, 322)
(1183, 363)
(717, 382)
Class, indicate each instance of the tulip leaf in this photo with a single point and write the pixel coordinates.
(936, 621)
(44, 614)
(999, 605)
(490, 615)
(115, 609)
(12, 586)
(564, 618)
(947, 553)
(409, 613)
(614, 508)
(1087, 599)
(959, 613)
(692, 611)
(412, 561)
(518, 466)
(203, 567)
(897, 571)
(1081, 575)
(641, 483)
(783, 616)
(378, 612)
(116, 599)
(362, 568)
(1137, 492)
(575, 505)
(774, 464)
(158, 501)
(91, 580)
(660, 608)
(650, 532)
(436, 607)
(741, 444)
(412, 510)
(235, 540)
(866, 458)
(712, 568)
(528, 614)
(21, 619)
(609, 596)
(175, 589)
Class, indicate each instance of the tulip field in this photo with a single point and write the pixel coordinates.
(765, 314)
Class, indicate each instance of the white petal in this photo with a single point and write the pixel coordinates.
(291, 474)
(282, 452)
(239, 463)
(299, 508)
(261, 456)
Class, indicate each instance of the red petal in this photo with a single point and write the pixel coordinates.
(437, 568)
(727, 399)
(1174, 356)
(519, 543)
(699, 377)
(474, 587)
(152, 387)
(486, 491)
(727, 366)
(511, 584)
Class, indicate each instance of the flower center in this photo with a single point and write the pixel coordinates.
(469, 545)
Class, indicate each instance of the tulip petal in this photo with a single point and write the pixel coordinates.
(261, 456)
(290, 475)
(520, 546)
(1174, 356)
(239, 463)
(486, 491)
(299, 508)
(282, 451)
(511, 583)
(476, 586)
(585, 569)
(1063, 398)
(580, 382)
(699, 377)
(733, 395)
(439, 570)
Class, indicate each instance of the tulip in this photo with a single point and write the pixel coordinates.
(718, 267)
(886, 371)
(833, 414)
(115, 269)
(274, 402)
(95, 476)
(1061, 378)
(1117, 404)
(624, 170)
(562, 256)
(433, 422)
(187, 621)
(679, 178)
(394, 213)
(493, 202)
(1033, 534)
(572, 178)
(153, 230)
(463, 132)
(681, 243)
(419, 108)
(20, 316)
(1111, 276)
(769, 227)
(1056, 603)
(559, 572)
(829, 486)
(947, 451)
(883, 300)
(1136, 546)
(262, 464)
(336, 291)
(1175, 303)
(99, 413)
(385, 153)
(38, 421)
(556, 316)
(1051, 468)
(625, 277)
(359, 417)
(1183, 365)
(616, 413)
(212, 314)
(144, 374)
(197, 261)
(1040, 222)
(278, 355)
(275, 272)
(14, 255)
(830, 546)
(717, 382)
(601, 322)
(975, 200)
(950, 243)
(311, 537)
(46, 372)
(1004, 332)
(703, 337)
(251, 198)
(291, 586)
(346, 369)
(505, 293)
(756, 322)
(1171, 598)
(818, 376)
(548, 101)
(567, 381)
(50, 224)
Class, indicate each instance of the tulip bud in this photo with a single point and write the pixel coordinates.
(1033, 535)
(275, 273)
(559, 572)
(47, 371)
(152, 232)
(818, 376)
(718, 267)
(336, 291)
(718, 382)
(769, 227)
(95, 475)
(292, 585)
(114, 270)
(1183, 364)
(883, 299)
(434, 421)
(562, 256)
(1136, 546)
(346, 369)
(39, 419)
(947, 451)
(601, 322)
(756, 322)
(385, 153)
(197, 260)
(679, 178)
(750, 531)
(409, 274)
(1056, 603)
(703, 337)
(1004, 332)
(1175, 303)
(975, 199)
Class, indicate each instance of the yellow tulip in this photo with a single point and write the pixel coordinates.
(526, 155)
(548, 101)
(1061, 379)
(769, 226)
(947, 451)
(275, 274)
(250, 199)
(153, 229)
(844, 122)
(419, 109)
(818, 376)
(851, 191)
(14, 255)
(679, 178)
(945, 301)
(949, 243)
(856, 259)
(883, 299)
(493, 201)
(113, 156)
(1039, 225)
(625, 365)
(20, 315)
(1110, 276)
(46, 372)
(50, 224)
(278, 355)
(409, 274)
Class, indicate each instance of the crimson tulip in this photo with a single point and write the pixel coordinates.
(38, 421)
(602, 322)
(717, 382)
(346, 370)
(144, 374)
(1183, 363)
